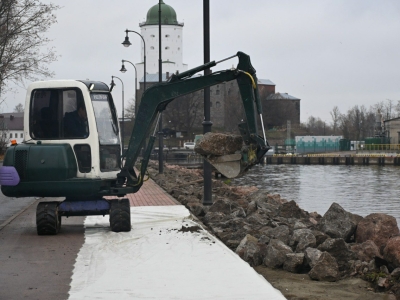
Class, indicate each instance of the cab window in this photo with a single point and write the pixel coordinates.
(58, 114)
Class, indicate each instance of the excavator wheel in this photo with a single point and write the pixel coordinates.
(120, 215)
(48, 221)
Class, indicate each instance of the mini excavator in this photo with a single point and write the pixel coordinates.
(87, 165)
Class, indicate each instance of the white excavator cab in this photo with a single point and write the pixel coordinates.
(81, 114)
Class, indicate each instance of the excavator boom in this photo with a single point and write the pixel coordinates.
(156, 98)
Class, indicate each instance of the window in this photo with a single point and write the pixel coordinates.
(58, 114)
(217, 104)
(16, 135)
(106, 121)
(83, 157)
(10, 135)
(217, 92)
(22, 135)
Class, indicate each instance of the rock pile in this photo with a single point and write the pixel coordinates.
(217, 144)
(266, 229)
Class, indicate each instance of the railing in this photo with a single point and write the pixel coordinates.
(380, 147)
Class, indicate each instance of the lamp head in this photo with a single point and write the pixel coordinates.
(112, 84)
(123, 69)
(126, 42)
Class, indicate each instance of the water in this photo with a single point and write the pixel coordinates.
(358, 189)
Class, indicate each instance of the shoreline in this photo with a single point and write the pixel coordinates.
(292, 285)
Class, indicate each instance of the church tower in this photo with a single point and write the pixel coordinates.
(171, 42)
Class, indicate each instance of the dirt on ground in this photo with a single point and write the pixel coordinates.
(301, 287)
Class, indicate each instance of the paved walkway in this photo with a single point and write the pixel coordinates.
(151, 194)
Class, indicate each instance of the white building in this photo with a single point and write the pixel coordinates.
(171, 42)
(12, 127)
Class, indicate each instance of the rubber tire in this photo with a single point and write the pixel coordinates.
(48, 222)
(120, 215)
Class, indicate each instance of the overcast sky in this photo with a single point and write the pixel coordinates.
(327, 53)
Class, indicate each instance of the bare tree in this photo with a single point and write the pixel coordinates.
(23, 53)
(182, 114)
(397, 109)
(19, 108)
(357, 123)
(130, 109)
(335, 114)
(316, 126)
(3, 135)
(388, 109)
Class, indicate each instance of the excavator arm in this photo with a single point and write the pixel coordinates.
(156, 98)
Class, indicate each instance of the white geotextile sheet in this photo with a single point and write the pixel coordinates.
(157, 261)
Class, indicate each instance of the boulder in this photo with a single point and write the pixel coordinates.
(257, 219)
(262, 196)
(325, 269)
(299, 225)
(340, 251)
(264, 239)
(366, 251)
(294, 262)
(279, 233)
(214, 217)
(302, 239)
(395, 273)
(249, 250)
(275, 254)
(311, 256)
(196, 209)
(320, 237)
(337, 223)
(239, 213)
(378, 228)
(251, 208)
(218, 144)
(291, 210)
(391, 252)
(225, 206)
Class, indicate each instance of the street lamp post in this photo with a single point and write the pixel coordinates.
(161, 135)
(127, 43)
(123, 70)
(122, 129)
(207, 198)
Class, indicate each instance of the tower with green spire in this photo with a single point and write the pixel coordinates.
(171, 41)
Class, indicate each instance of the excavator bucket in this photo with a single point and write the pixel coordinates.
(227, 153)
(228, 165)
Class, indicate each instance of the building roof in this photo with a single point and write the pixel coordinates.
(12, 121)
(281, 96)
(265, 82)
(168, 15)
(389, 120)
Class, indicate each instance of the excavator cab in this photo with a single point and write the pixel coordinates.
(71, 140)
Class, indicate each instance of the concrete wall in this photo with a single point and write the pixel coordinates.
(393, 127)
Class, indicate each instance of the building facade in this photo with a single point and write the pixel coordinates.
(392, 127)
(11, 128)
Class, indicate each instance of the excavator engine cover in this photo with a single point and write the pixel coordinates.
(44, 170)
